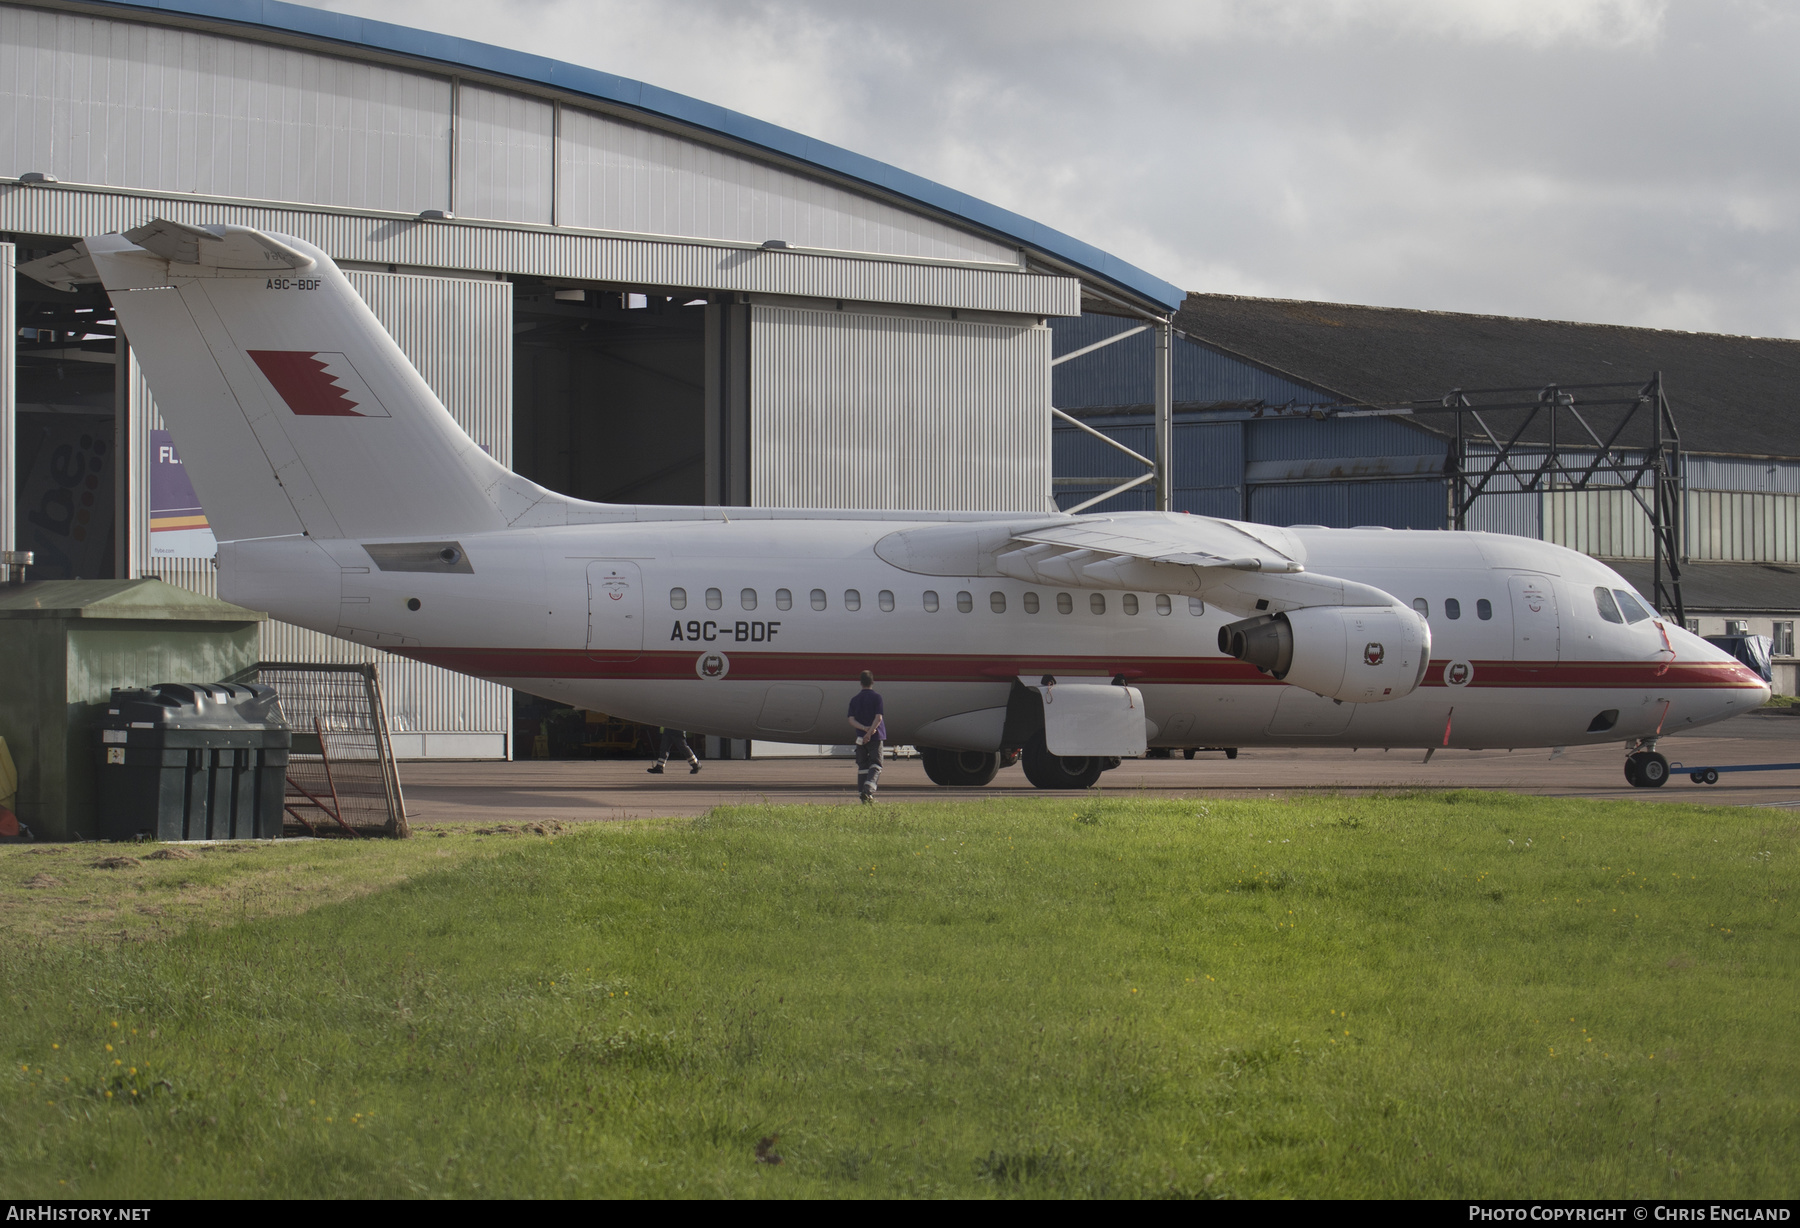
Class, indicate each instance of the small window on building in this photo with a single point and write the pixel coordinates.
(1065, 604)
(1609, 609)
(1737, 626)
(1163, 605)
(997, 602)
(931, 602)
(1630, 606)
(1031, 603)
(852, 599)
(1783, 639)
(1130, 602)
(1693, 625)
(1097, 603)
(784, 600)
(1196, 607)
(965, 602)
(714, 599)
(1422, 606)
(818, 599)
(1452, 608)
(1484, 609)
(747, 599)
(885, 599)
(678, 599)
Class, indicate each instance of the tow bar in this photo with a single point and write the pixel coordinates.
(1710, 775)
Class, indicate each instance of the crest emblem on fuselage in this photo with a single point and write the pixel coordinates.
(712, 665)
(1374, 654)
(1458, 673)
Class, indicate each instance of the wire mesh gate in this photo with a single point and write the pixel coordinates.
(341, 778)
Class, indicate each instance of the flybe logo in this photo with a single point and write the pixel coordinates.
(319, 384)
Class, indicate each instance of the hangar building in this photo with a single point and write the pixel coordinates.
(623, 293)
(1257, 436)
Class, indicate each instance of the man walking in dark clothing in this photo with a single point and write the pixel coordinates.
(866, 717)
(675, 741)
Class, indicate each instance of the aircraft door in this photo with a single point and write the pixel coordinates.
(1537, 631)
(615, 611)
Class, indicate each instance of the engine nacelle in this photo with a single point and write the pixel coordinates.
(1359, 654)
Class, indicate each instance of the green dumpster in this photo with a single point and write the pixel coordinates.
(65, 645)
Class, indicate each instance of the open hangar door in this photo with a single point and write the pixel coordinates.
(616, 398)
(65, 415)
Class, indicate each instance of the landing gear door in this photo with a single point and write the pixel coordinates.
(615, 611)
(1092, 718)
(1537, 632)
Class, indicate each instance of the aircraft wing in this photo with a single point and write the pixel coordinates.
(1247, 569)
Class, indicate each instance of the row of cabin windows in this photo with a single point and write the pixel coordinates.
(965, 601)
(1484, 609)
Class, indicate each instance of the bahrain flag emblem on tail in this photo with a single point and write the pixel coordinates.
(319, 384)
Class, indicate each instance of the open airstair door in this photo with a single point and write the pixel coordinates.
(1091, 717)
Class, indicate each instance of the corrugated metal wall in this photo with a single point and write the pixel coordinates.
(101, 101)
(9, 341)
(865, 410)
(1209, 463)
(614, 175)
(505, 152)
(1123, 374)
(494, 249)
(129, 105)
(458, 333)
(1743, 526)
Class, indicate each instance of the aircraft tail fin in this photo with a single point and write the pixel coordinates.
(293, 408)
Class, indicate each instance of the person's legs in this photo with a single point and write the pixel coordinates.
(868, 768)
(682, 748)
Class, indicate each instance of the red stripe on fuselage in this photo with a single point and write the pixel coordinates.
(749, 665)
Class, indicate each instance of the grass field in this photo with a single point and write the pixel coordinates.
(1445, 995)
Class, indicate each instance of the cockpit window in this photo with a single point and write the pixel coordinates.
(1609, 609)
(1631, 607)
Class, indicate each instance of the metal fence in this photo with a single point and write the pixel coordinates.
(341, 777)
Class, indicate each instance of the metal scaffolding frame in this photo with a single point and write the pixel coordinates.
(1565, 451)
(1161, 469)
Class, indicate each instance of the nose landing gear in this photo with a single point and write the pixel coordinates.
(1645, 768)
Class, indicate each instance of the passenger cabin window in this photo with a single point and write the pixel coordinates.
(678, 599)
(1484, 609)
(1452, 608)
(1031, 603)
(1163, 604)
(852, 599)
(747, 599)
(1609, 609)
(931, 602)
(1630, 606)
(1422, 606)
(965, 602)
(784, 600)
(818, 599)
(1065, 604)
(714, 599)
(1097, 603)
(1196, 607)
(885, 599)
(997, 602)
(1130, 602)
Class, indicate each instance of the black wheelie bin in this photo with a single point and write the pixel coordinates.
(192, 761)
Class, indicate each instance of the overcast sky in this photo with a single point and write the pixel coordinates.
(1619, 161)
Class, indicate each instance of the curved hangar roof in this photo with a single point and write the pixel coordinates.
(315, 29)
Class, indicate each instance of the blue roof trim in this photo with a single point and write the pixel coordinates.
(423, 44)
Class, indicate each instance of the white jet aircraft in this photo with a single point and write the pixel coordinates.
(346, 499)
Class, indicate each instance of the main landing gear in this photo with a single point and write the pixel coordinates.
(974, 768)
(1645, 768)
(960, 767)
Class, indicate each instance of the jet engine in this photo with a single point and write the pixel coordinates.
(1359, 654)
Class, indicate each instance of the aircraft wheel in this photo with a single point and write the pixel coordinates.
(1712, 777)
(1653, 771)
(1048, 771)
(960, 767)
(1631, 770)
(1109, 762)
(1698, 778)
(1231, 752)
(1188, 753)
